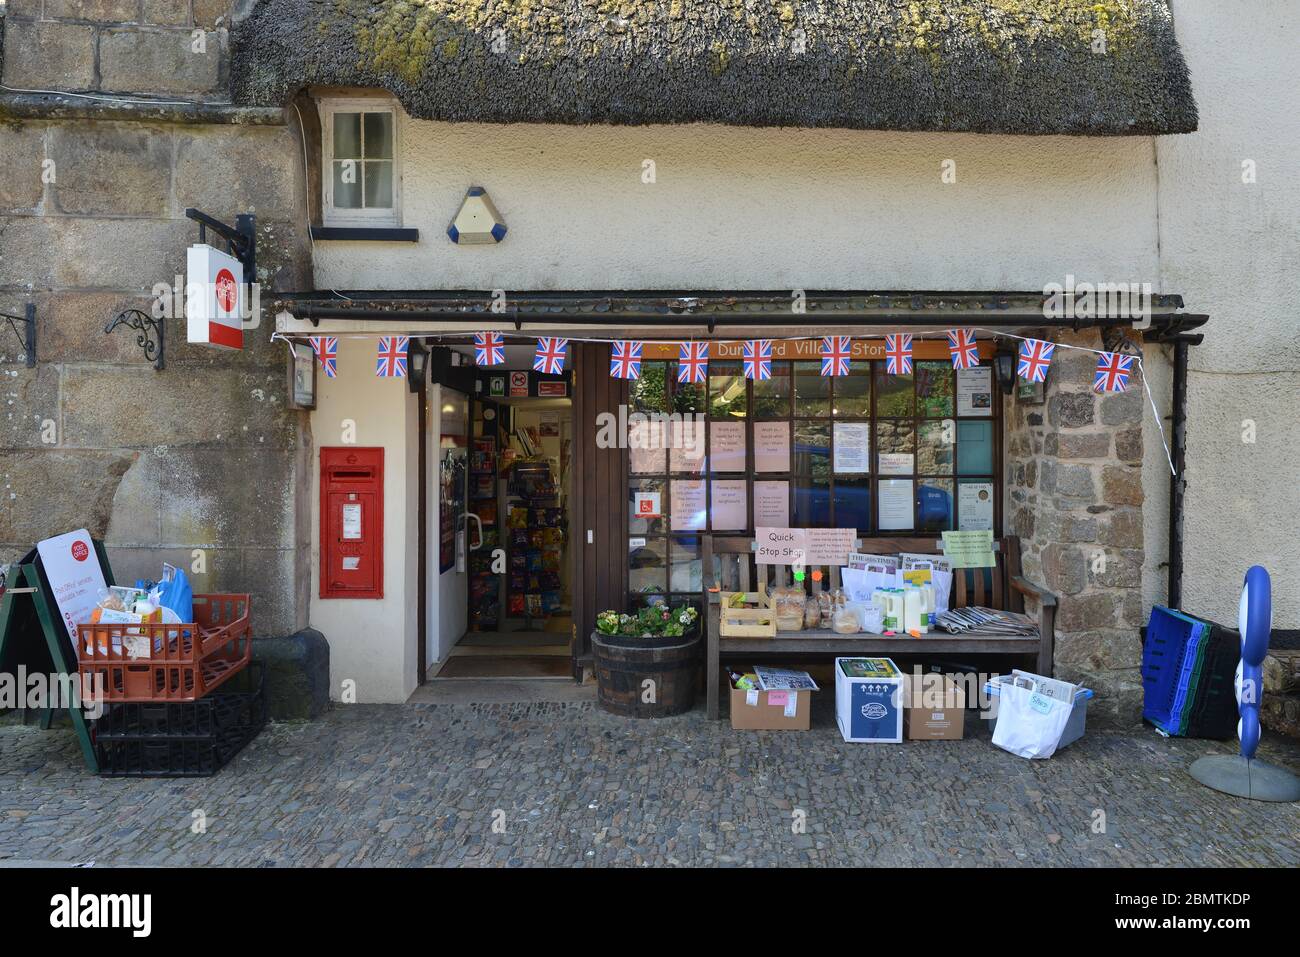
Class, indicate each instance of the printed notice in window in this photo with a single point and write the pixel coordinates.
(688, 505)
(852, 448)
(895, 504)
(771, 446)
(975, 507)
(975, 391)
(772, 504)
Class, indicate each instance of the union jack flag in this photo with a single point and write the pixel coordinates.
(625, 360)
(898, 354)
(1112, 372)
(693, 362)
(327, 353)
(961, 343)
(489, 348)
(1035, 357)
(392, 356)
(551, 353)
(836, 351)
(758, 359)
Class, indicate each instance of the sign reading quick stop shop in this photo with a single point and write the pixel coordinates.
(214, 294)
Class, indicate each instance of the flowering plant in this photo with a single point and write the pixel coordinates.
(653, 621)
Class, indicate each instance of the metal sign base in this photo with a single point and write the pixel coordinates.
(1243, 777)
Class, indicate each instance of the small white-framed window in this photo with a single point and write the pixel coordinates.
(359, 168)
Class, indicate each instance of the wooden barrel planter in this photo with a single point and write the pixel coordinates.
(624, 664)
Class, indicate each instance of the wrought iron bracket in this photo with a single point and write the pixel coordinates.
(28, 337)
(149, 333)
(241, 239)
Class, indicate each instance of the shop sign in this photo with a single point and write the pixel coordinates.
(497, 385)
(214, 291)
(552, 390)
(519, 385)
(810, 349)
(780, 546)
(75, 577)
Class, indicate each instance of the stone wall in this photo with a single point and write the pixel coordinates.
(1074, 496)
(198, 464)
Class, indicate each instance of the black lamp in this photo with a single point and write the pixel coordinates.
(1004, 367)
(417, 364)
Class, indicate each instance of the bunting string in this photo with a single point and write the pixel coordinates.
(628, 364)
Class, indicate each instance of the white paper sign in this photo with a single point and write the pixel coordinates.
(896, 463)
(779, 546)
(727, 446)
(75, 577)
(729, 506)
(772, 504)
(771, 446)
(688, 505)
(646, 442)
(975, 391)
(975, 507)
(352, 522)
(686, 453)
(852, 447)
(895, 504)
(830, 546)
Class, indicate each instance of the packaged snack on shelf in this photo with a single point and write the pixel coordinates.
(788, 602)
(812, 615)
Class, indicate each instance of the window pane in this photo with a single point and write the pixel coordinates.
(727, 399)
(650, 392)
(347, 136)
(812, 503)
(772, 396)
(812, 449)
(934, 388)
(686, 396)
(853, 393)
(379, 135)
(896, 445)
(379, 185)
(685, 567)
(934, 504)
(812, 390)
(893, 392)
(853, 504)
(347, 184)
(647, 567)
(974, 448)
(642, 521)
(935, 446)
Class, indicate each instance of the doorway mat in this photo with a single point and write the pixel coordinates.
(506, 666)
(506, 639)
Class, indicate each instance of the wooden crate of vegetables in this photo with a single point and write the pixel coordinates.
(746, 614)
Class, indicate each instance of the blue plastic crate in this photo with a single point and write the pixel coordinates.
(1168, 665)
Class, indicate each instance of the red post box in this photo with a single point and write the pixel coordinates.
(352, 523)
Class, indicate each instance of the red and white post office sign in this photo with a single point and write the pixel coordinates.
(214, 297)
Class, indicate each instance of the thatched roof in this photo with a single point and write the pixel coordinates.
(991, 66)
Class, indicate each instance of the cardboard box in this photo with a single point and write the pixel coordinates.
(869, 700)
(935, 709)
(771, 710)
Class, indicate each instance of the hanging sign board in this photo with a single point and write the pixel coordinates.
(214, 298)
(75, 578)
(779, 546)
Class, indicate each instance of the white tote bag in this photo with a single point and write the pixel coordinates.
(1029, 722)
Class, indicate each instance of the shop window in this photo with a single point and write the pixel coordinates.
(885, 455)
(360, 165)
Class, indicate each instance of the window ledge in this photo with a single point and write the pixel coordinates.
(364, 234)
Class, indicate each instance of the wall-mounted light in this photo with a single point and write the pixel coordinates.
(1004, 367)
(417, 364)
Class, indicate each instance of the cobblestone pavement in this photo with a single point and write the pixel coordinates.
(567, 784)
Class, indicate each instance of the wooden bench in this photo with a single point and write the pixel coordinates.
(1002, 587)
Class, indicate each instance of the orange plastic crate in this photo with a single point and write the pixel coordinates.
(158, 662)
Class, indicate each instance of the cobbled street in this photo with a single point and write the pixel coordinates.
(566, 784)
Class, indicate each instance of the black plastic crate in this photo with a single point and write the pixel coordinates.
(177, 739)
(1213, 712)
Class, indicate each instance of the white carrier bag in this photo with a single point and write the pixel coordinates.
(1032, 713)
